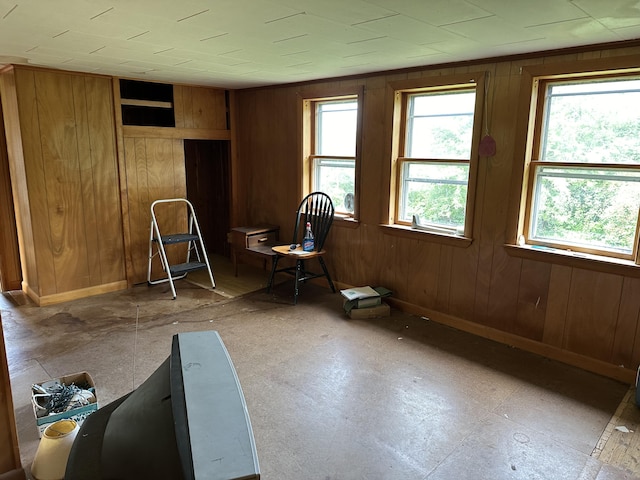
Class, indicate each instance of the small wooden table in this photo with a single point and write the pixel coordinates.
(255, 240)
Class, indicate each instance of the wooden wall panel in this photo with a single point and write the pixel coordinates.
(104, 181)
(199, 107)
(40, 265)
(594, 302)
(10, 271)
(533, 285)
(505, 271)
(155, 170)
(444, 279)
(90, 216)
(62, 186)
(625, 333)
(560, 308)
(9, 453)
(464, 271)
(503, 298)
(557, 304)
(373, 143)
(64, 170)
(422, 275)
(136, 199)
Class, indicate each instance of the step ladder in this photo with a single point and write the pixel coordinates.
(196, 254)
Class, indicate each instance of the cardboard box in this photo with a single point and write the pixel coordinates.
(82, 380)
(381, 310)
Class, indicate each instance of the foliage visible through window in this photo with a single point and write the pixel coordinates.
(437, 154)
(586, 177)
(334, 158)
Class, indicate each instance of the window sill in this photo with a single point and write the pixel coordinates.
(596, 263)
(340, 220)
(408, 232)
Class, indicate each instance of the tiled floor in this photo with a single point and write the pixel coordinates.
(333, 398)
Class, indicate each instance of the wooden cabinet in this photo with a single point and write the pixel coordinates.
(256, 241)
(64, 175)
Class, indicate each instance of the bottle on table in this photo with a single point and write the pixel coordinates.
(307, 241)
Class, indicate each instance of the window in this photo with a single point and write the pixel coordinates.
(584, 167)
(437, 137)
(332, 149)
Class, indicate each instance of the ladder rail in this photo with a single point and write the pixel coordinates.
(156, 237)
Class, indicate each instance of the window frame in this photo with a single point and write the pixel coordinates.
(533, 163)
(401, 91)
(309, 129)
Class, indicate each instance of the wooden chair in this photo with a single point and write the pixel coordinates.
(316, 208)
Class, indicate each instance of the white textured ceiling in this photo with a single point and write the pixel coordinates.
(246, 43)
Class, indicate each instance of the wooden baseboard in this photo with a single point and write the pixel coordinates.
(45, 300)
(599, 367)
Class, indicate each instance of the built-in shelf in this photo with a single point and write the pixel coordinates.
(146, 104)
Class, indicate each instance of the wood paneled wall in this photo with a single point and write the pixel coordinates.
(10, 271)
(200, 108)
(61, 142)
(572, 313)
(153, 168)
(9, 453)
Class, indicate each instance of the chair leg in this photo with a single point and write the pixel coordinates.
(273, 272)
(326, 273)
(299, 269)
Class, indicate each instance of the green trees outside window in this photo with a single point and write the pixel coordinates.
(586, 179)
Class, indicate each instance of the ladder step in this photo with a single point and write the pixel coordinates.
(178, 238)
(157, 242)
(183, 268)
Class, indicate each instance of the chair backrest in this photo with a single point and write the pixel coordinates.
(316, 208)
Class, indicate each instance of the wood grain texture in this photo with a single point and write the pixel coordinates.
(626, 337)
(558, 306)
(155, 170)
(104, 181)
(152, 163)
(62, 192)
(40, 262)
(548, 305)
(200, 108)
(505, 272)
(594, 303)
(10, 271)
(70, 219)
(533, 285)
(9, 453)
(8, 95)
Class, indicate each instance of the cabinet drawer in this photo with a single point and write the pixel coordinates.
(264, 238)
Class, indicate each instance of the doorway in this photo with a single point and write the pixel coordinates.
(207, 164)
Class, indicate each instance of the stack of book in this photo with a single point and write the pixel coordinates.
(364, 302)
